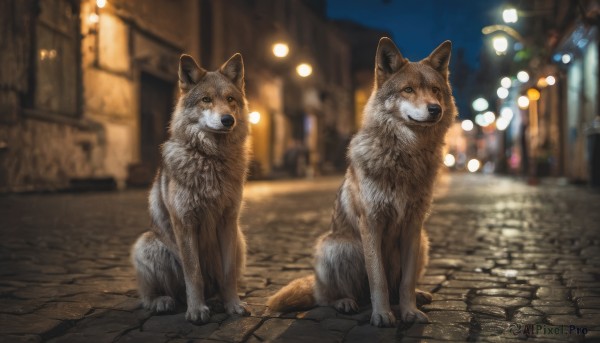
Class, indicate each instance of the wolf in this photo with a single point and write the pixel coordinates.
(376, 248)
(195, 249)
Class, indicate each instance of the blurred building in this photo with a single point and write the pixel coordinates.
(562, 47)
(87, 87)
(363, 44)
(575, 56)
(303, 120)
(555, 43)
(87, 92)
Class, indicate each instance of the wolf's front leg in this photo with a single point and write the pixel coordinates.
(411, 246)
(370, 233)
(229, 234)
(187, 242)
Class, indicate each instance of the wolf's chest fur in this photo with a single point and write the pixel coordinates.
(204, 181)
(397, 179)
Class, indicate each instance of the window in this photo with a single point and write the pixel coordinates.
(57, 54)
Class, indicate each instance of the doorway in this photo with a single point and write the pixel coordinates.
(156, 105)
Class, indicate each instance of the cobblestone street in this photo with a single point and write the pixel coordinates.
(503, 255)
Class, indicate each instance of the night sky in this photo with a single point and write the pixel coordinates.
(419, 26)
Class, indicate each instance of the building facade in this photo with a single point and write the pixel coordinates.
(87, 87)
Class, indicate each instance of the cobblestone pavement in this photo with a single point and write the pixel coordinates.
(503, 255)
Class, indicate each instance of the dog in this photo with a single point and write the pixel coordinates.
(195, 249)
(376, 248)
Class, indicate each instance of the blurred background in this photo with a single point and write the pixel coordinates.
(87, 87)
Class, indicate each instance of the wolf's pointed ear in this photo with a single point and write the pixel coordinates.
(388, 60)
(189, 72)
(233, 69)
(439, 59)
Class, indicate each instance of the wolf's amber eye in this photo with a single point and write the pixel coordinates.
(207, 99)
(435, 90)
(408, 90)
(230, 99)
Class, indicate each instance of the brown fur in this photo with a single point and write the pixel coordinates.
(377, 247)
(195, 249)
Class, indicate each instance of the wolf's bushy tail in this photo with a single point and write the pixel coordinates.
(297, 295)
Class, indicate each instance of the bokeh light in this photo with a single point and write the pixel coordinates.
(502, 93)
(280, 50)
(480, 104)
(473, 165)
(254, 117)
(304, 69)
(467, 125)
(523, 102)
(449, 160)
(523, 76)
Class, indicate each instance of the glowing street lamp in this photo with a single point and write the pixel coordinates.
(510, 15)
(467, 125)
(502, 123)
(500, 44)
(489, 117)
(550, 80)
(502, 93)
(254, 117)
(93, 18)
(522, 76)
(449, 160)
(507, 113)
(304, 69)
(533, 94)
(523, 102)
(473, 165)
(280, 50)
(480, 104)
(506, 82)
(101, 3)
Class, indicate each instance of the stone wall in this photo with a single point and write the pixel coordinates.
(40, 155)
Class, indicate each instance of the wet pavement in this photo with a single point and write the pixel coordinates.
(508, 262)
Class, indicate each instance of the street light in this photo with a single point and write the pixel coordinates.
(254, 117)
(522, 76)
(500, 44)
(280, 50)
(93, 18)
(533, 94)
(467, 125)
(304, 69)
(473, 165)
(489, 117)
(100, 3)
(550, 80)
(449, 160)
(523, 102)
(566, 58)
(509, 31)
(510, 15)
(502, 93)
(480, 104)
(502, 123)
(507, 113)
(506, 82)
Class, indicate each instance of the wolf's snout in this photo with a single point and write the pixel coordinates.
(434, 110)
(227, 120)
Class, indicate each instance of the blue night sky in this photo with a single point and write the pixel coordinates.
(419, 26)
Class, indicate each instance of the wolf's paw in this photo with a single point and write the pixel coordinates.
(383, 319)
(423, 297)
(237, 307)
(408, 315)
(198, 315)
(160, 304)
(346, 305)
